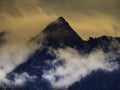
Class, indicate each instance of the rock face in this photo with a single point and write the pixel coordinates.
(59, 34)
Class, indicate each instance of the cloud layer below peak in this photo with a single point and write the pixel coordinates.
(76, 66)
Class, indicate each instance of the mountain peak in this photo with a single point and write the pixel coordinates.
(59, 33)
(61, 19)
(58, 25)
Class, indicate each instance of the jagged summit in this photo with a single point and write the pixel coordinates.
(60, 31)
(61, 19)
(57, 25)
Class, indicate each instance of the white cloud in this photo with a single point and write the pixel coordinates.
(12, 55)
(20, 30)
(77, 66)
(21, 79)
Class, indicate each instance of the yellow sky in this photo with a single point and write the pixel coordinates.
(23, 19)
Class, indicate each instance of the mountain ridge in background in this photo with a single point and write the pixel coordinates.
(59, 34)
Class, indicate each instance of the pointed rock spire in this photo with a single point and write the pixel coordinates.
(59, 33)
(59, 24)
(61, 19)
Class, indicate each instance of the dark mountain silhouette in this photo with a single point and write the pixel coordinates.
(59, 34)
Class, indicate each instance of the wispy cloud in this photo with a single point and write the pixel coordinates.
(21, 79)
(13, 54)
(76, 66)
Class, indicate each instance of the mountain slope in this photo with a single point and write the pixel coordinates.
(57, 35)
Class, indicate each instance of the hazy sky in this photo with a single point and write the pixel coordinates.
(87, 17)
(24, 19)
